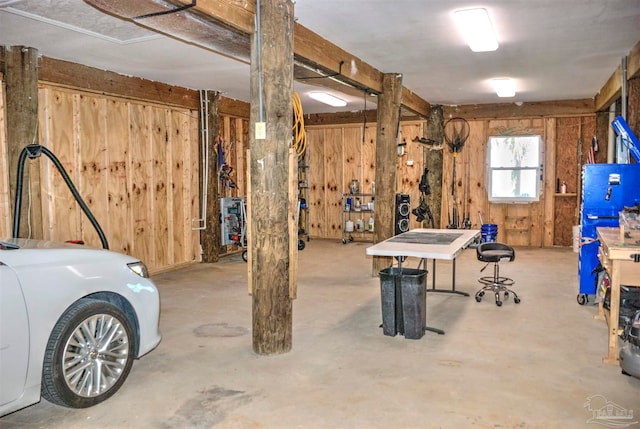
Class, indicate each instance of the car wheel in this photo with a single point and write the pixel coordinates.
(89, 355)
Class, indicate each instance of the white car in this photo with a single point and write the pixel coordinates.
(72, 320)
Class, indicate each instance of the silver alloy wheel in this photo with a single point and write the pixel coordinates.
(95, 355)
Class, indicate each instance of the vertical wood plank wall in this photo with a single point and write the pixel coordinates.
(573, 139)
(234, 134)
(136, 166)
(339, 153)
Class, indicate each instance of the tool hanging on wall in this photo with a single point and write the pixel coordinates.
(428, 142)
(299, 133)
(423, 210)
(466, 221)
(456, 133)
(226, 182)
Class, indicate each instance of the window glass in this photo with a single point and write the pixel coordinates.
(514, 168)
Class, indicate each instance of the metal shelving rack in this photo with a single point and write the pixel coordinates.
(357, 211)
(303, 199)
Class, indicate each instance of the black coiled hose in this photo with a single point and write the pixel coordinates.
(33, 151)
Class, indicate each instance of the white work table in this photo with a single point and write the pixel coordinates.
(428, 244)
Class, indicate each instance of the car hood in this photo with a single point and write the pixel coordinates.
(22, 252)
(28, 243)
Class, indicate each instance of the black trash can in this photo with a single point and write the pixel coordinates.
(404, 305)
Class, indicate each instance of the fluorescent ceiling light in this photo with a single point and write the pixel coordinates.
(329, 99)
(504, 87)
(476, 29)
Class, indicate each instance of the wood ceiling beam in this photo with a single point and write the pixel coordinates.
(315, 77)
(309, 48)
(237, 14)
(528, 109)
(413, 102)
(313, 50)
(65, 73)
(633, 62)
(189, 25)
(613, 87)
(74, 75)
(610, 91)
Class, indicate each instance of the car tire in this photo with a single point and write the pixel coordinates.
(89, 354)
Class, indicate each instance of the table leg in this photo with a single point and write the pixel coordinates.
(436, 330)
(453, 281)
(614, 313)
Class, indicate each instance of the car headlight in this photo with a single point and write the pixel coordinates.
(139, 268)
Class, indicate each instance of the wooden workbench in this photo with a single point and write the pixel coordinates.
(616, 255)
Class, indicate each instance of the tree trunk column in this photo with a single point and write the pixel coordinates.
(21, 76)
(210, 237)
(434, 159)
(271, 71)
(386, 158)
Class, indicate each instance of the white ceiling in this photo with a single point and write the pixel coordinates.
(553, 49)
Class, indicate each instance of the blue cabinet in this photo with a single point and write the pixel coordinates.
(606, 190)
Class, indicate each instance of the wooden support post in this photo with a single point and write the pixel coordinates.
(294, 223)
(271, 91)
(633, 105)
(249, 223)
(210, 239)
(548, 192)
(434, 159)
(21, 77)
(386, 168)
(602, 134)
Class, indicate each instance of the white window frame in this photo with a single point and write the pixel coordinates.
(497, 192)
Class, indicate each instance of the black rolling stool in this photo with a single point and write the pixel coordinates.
(494, 253)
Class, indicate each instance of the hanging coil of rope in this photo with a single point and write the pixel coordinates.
(299, 133)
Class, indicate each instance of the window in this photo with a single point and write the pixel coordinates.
(514, 169)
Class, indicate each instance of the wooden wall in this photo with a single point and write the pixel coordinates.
(136, 163)
(234, 132)
(338, 153)
(573, 139)
(136, 166)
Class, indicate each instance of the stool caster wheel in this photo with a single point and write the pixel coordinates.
(506, 295)
(499, 303)
(516, 300)
(478, 298)
(582, 299)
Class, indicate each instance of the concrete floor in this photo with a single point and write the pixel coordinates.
(531, 365)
